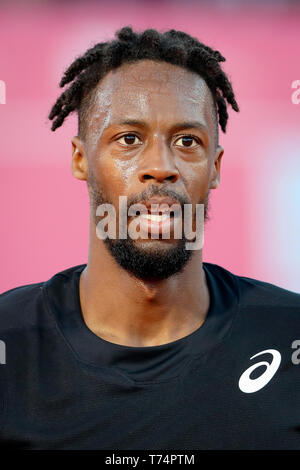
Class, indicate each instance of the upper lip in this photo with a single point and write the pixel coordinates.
(162, 200)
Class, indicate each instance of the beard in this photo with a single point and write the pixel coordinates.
(160, 260)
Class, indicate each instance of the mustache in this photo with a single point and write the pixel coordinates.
(157, 191)
(98, 197)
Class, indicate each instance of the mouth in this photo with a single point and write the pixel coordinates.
(161, 219)
(157, 217)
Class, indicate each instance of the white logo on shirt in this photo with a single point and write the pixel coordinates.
(248, 385)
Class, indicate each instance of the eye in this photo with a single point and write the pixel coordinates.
(129, 139)
(188, 140)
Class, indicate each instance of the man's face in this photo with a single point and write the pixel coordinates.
(150, 134)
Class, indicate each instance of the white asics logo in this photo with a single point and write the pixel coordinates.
(248, 385)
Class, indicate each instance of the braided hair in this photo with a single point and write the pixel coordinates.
(175, 47)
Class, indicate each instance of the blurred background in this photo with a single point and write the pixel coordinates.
(254, 227)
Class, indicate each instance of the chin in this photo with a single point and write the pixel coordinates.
(150, 258)
(156, 245)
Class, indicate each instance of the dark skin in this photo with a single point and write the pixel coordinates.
(117, 306)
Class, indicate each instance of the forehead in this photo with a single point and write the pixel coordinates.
(151, 90)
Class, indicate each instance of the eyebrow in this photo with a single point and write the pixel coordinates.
(177, 126)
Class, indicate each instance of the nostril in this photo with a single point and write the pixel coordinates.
(170, 178)
(159, 175)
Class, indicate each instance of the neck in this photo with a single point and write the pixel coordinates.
(125, 310)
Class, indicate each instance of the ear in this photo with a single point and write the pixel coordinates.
(215, 180)
(79, 160)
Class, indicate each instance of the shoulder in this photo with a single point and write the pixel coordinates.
(24, 306)
(260, 293)
(257, 293)
(18, 305)
(19, 294)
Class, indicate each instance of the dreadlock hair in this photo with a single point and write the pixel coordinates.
(175, 47)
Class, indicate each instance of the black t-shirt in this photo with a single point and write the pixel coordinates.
(63, 387)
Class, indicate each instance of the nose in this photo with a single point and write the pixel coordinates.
(158, 165)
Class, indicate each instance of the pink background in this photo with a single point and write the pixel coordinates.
(255, 225)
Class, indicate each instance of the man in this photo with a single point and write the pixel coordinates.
(146, 346)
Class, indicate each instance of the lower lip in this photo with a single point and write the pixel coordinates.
(157, 228)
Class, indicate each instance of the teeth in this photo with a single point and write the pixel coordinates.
(155, 217)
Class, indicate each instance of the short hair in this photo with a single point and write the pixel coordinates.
(175, 47)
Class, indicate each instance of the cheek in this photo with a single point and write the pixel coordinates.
(196, 178)
(114, 175)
